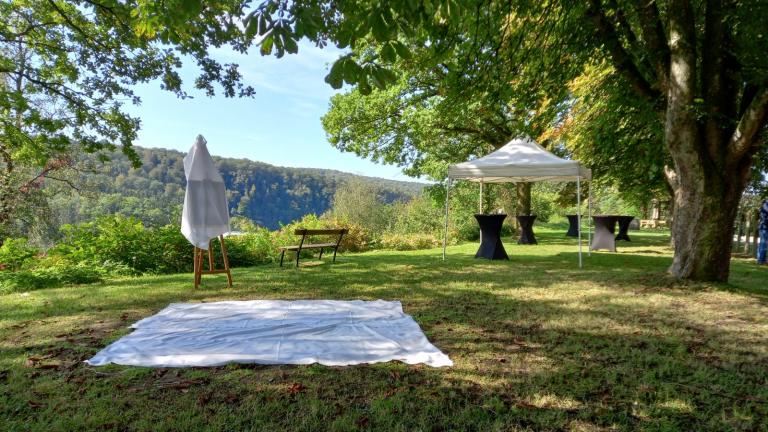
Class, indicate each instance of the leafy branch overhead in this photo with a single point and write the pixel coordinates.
(67, 70)
(280, 24)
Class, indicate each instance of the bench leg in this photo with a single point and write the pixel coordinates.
(282, 254)
(334, 254)
(298, 253)
(321, 254)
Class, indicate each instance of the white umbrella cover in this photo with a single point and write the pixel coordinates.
(206, 213)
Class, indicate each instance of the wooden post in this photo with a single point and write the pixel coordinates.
(225, 257)
(198, 263)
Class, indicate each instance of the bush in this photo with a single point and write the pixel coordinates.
(418, 216)
(14, 253)
(409, 241)
(49, 277)
(249, 249)
(356, 240)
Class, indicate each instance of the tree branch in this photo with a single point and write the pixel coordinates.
(621, 58)
(74, 26)
(654, 36)
(743, 141)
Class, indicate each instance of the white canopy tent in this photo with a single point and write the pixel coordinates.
(520, 161)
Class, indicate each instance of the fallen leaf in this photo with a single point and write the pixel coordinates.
(296, 388)
(363, 421)
(390, 392)
(203, 399)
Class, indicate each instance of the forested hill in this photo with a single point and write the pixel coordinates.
(266, 194)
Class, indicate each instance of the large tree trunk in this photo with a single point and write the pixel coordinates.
(712, 116)
(705, 208)
(523, 198)
(712, 167)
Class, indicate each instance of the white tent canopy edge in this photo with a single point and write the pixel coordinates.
(522, 160)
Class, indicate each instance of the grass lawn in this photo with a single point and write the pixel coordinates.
(537, 343)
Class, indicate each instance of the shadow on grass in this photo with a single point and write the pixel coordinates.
(537, 342)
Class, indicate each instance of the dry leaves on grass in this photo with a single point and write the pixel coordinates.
(296, 388)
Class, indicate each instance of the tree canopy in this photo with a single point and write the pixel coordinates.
(67, 69)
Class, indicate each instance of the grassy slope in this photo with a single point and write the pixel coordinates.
(537, 344)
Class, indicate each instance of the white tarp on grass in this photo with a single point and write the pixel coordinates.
(329, 332)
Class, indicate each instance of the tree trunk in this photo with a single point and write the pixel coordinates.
(712, 119)
(509, 204)
(523, 198)
(747, 231)
(705, 209)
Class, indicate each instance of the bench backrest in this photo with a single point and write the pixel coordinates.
(306, 232)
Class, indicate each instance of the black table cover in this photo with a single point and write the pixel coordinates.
(573, 226)
(605, 227)
(624, 222)
(490, 237)
(526, 230)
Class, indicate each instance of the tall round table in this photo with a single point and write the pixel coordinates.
(624, 222)
(526, 229)
(573, 226)
(605, 227)
(490, 237)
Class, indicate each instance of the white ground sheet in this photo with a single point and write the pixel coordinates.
(329, 332)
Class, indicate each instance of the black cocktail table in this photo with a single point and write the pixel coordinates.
(573, 226)
(624, 222)
(605, 227)
(490, 237)
(526, 229)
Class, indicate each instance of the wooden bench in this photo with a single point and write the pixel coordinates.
(653, 223)
(322, 246)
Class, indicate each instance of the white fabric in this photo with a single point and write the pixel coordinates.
(520, 160)
(329, 332)
(206, 213)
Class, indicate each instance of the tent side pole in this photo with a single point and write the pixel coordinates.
(480, 211)
(578, 213)
(445, 232)
(589, 220)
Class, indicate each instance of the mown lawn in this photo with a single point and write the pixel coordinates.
(537, 343)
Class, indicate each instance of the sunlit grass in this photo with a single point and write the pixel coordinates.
(537, 343)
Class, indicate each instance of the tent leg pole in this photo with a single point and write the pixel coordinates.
(445, 231)
(589, 220)
(578, 213)
(480, 210)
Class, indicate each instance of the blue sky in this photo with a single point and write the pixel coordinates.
(280, 125)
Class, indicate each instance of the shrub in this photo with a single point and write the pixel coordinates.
(357, 239)
(419, 216)
(170, 250)
(409, 241)
(114, 238)
(49, 277)
(14, 253)
(249, 249)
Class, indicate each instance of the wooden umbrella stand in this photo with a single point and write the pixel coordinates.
(199, 272)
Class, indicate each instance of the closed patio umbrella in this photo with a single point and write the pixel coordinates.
(206, 213)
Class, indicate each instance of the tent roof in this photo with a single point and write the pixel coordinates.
(520, 160)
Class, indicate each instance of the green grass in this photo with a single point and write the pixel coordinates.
(537, 343)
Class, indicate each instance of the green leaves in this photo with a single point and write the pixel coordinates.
(347, 70)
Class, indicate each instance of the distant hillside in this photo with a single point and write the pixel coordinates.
(267, 194)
